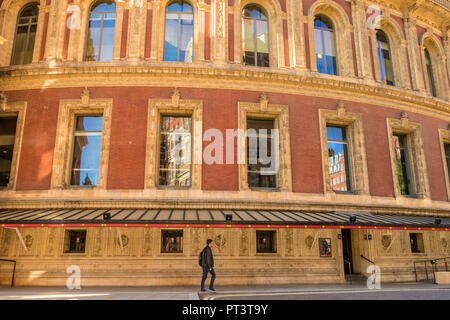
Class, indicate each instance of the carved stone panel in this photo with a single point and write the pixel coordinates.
(289, 238)
(244, 242)
(147, 247)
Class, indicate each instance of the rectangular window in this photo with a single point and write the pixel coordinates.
(416, 240)
(266, 241)
(338, 155)
(7, 139)
(175, 151)
(325, 247)
(259, 154)
(172, 241)
(75, 241)
(403, 165)
(447, 157)
(86, 150)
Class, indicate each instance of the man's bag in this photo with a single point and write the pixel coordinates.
(200, 259)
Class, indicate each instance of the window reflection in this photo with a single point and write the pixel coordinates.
(7, 139)
(430, 73)
(402, 162)
(25, 35)
(179, 34)
(325, 45)
(384, 58)
(255, 36)
(175, 151)
(339, 162)
(447, 157)
(86, 150)
(260, 131)
(100, 39)
(172, 241)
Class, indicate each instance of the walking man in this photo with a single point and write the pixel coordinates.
(208, 266)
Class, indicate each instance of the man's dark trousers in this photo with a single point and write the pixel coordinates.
(205, 275)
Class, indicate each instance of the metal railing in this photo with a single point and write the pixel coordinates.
(367, 259)
(434, 264)
(14, 270)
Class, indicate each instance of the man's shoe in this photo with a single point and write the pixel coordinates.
(211, 290)
(202, 290)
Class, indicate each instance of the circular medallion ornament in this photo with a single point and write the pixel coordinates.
(124, 240)
(386, 240)
(220, 241)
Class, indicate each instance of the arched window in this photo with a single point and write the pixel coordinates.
(430, 73)
(325, 45)
(100, 39)
(385, 58)
(179, 34)
(255, 34)
(25, 34)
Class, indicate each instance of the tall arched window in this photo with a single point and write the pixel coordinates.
(179, 34)
(430, 73)
(25, 34)
(255, 34)
(100, 39)
(325, 45)
(385, 58)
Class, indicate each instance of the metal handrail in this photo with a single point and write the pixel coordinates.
(367, 259)
(349, 265)
(14, 270)
(433, 263)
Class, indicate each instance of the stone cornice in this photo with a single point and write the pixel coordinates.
(212, 76)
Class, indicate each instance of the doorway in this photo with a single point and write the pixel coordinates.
(347, 251)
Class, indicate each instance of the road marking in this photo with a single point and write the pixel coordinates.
(318, 292)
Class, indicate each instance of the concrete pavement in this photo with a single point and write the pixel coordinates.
(412, 290)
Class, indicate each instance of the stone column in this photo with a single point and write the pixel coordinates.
(446, 40)
(218, 34)
(136, 21)
(361, 39)
(41, 32)
(376, 64)
(312, 43)
(120, 8)
(296, 34)
(155, 31)
(56, 26)
(413, 52)
(199, 32)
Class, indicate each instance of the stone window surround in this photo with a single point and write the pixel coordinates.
(397, 46)
(342, 34)
(276, 47)
(198, 29)
(173, 106)
(11, 15)
(14, 109)
(280, 115)
(438, 61)
(444, 137)
(356, 143)
(62, 162)
(418, 167)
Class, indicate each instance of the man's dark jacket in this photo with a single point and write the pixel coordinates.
(207, 258)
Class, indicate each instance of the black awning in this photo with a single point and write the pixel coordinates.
(213, 216)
